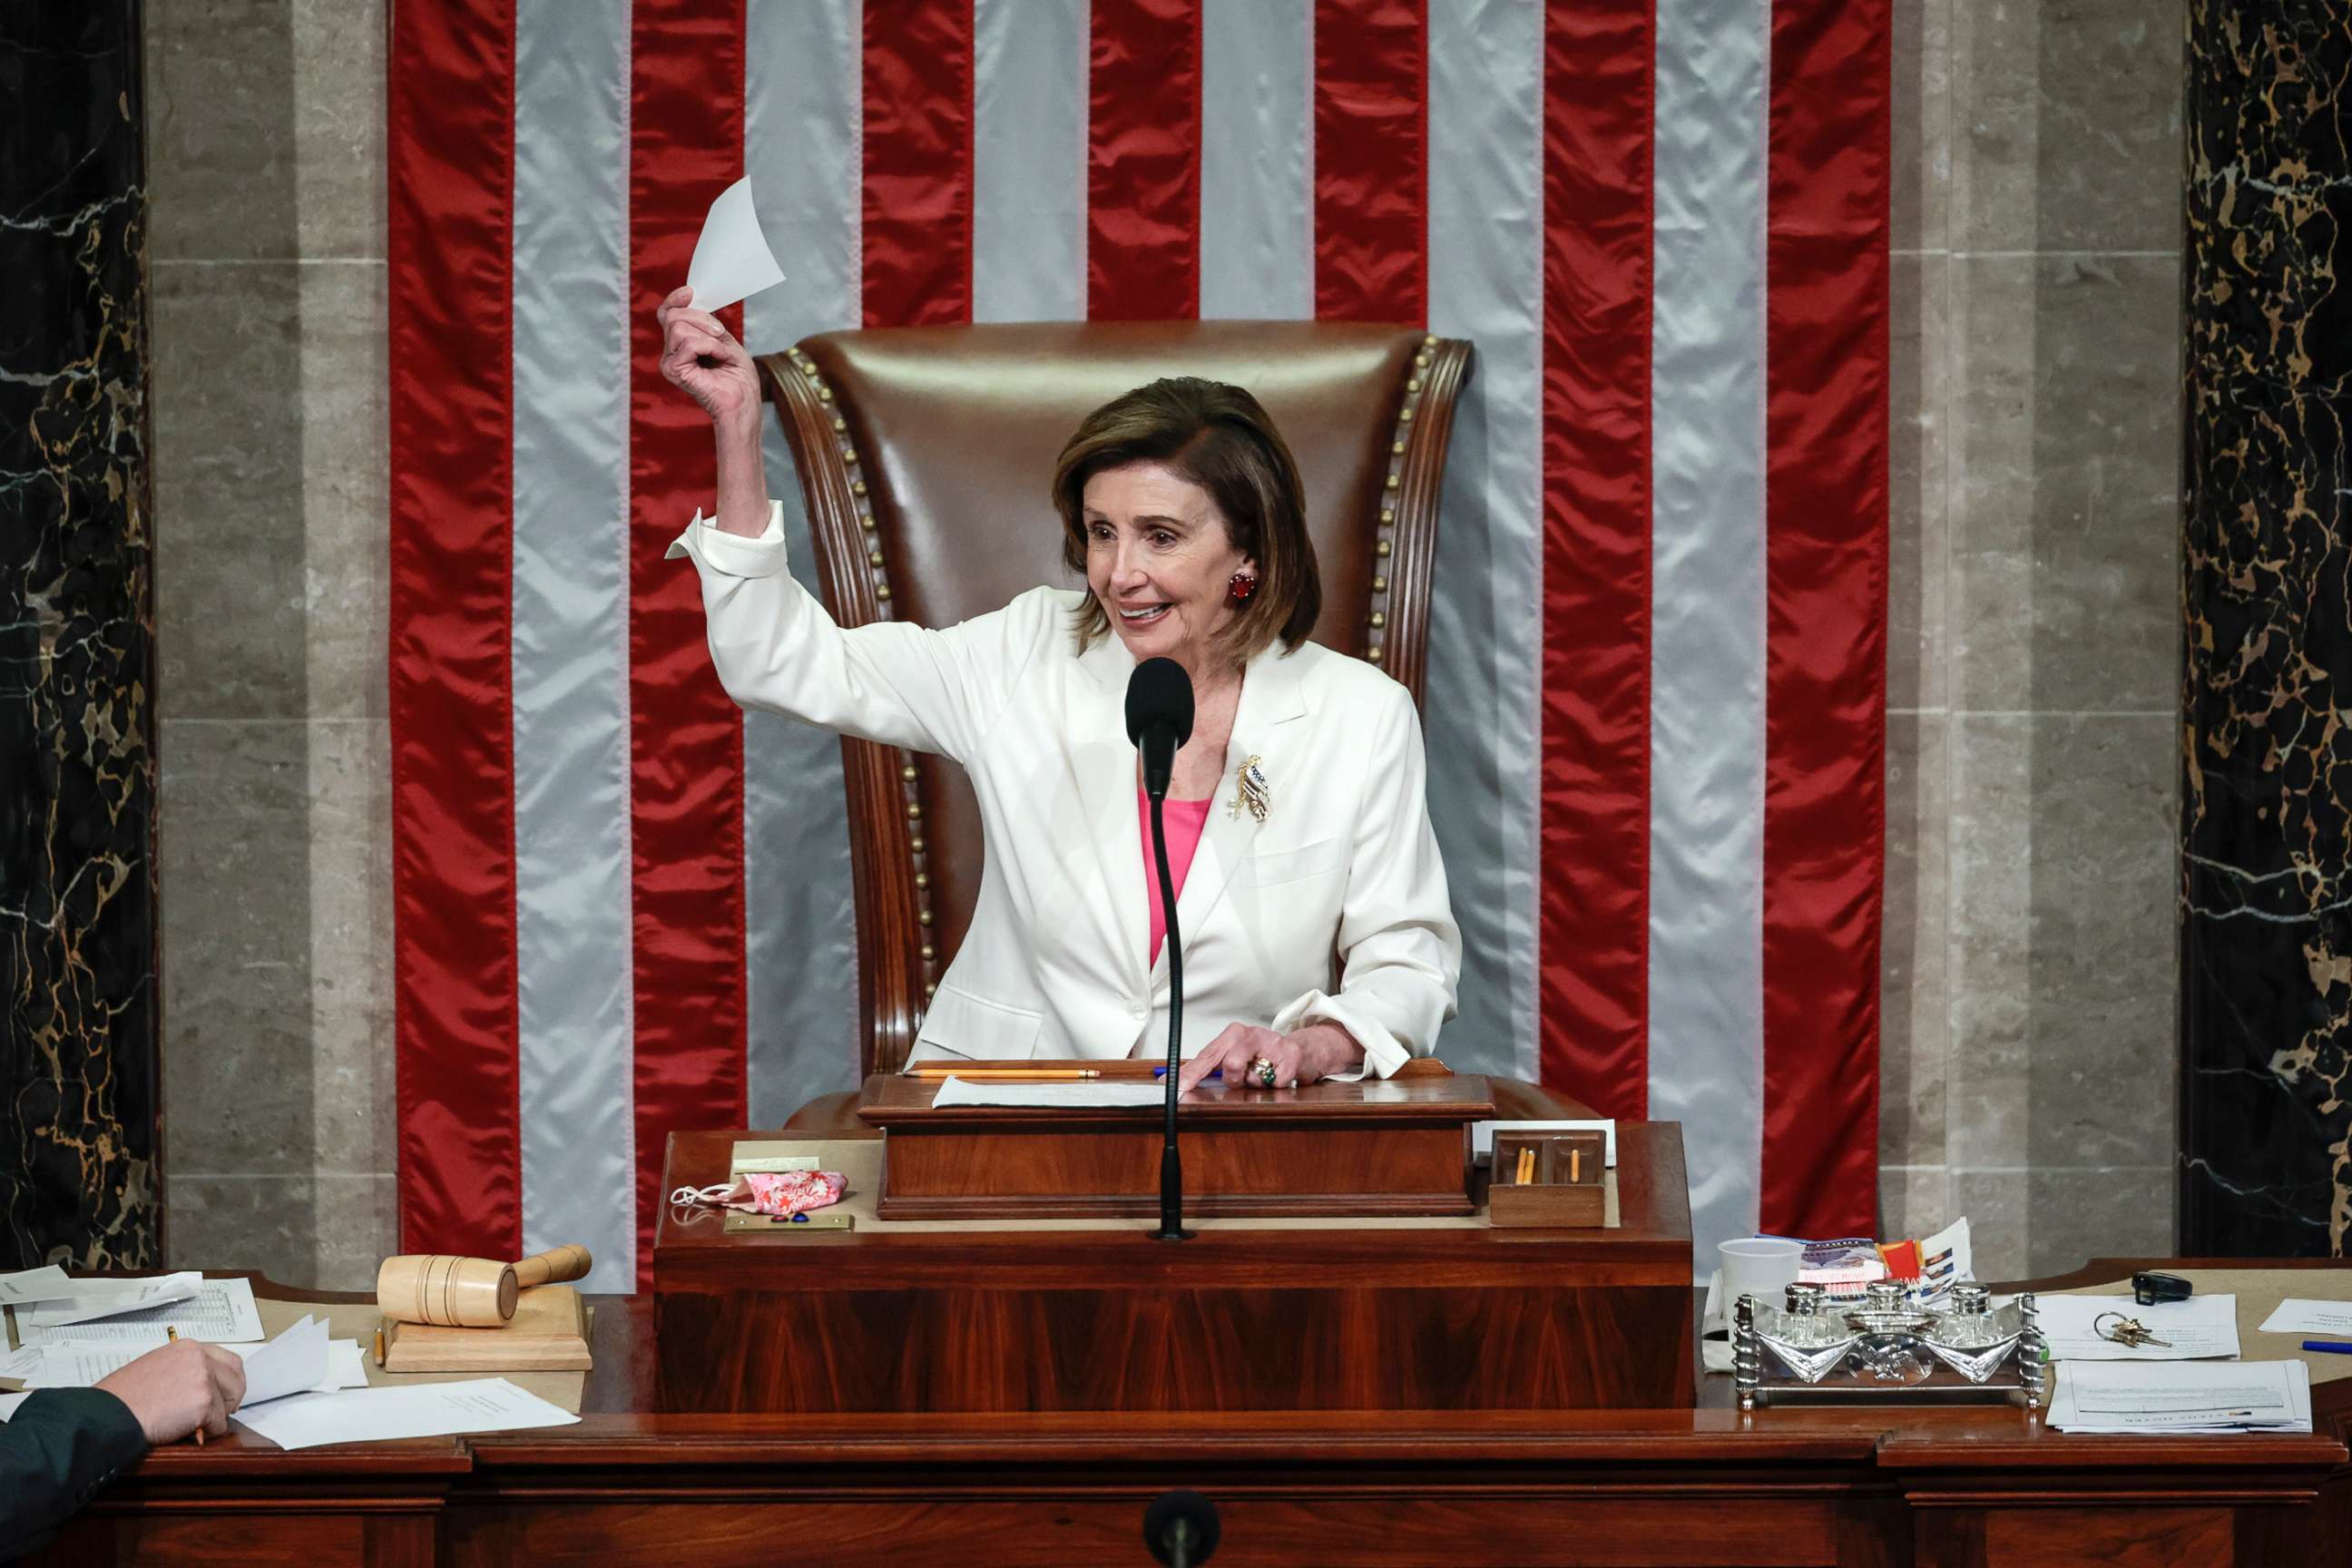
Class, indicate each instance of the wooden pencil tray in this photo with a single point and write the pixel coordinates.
(1567, 1186)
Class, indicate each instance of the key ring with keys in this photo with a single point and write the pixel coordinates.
(2128, 1333)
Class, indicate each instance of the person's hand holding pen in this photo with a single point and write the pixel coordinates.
(186, 1386)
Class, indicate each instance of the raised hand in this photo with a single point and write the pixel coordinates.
(701, 357)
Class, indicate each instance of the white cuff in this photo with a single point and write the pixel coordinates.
(1382, 1055)
(710, 545)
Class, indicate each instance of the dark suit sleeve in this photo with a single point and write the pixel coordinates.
(56, 1452)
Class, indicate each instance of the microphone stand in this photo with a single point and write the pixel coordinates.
(1171, 1168)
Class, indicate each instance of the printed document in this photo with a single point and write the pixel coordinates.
(2199, 1327)
(2302, 1315)
(2223, 1397)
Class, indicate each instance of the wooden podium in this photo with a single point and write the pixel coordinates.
(1068, 1310)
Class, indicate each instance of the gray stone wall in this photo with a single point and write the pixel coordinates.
(2029, 1058)
(266, 142)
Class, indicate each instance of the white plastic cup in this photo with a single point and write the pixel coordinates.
(1763, 1267)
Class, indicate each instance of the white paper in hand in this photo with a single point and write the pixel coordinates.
(293, 1362)
(731, 260)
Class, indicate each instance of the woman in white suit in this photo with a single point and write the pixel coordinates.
(1296, 818)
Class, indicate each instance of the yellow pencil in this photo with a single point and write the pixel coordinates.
(1526, 1171)
(173, 1335)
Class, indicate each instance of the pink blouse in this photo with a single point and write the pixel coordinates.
(1184, 819)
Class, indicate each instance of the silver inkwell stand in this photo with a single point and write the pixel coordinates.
(1810, 1349)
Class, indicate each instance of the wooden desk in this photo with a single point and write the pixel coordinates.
(1332, 1314)
(1953, 1488)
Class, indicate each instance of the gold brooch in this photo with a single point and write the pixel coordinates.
(1251, 789)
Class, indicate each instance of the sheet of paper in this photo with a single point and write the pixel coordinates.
(2303, 1315)
(731, 260)
(1080, 1092)
(293, 1362)
(79, 1363)
(9, 1402)
(221, 1311)
(378, 1415)
(2202, 1326)
(1482, 1134)
(137, 1338)
(47, 1284)
(345, 1369)
(2236, 1396)
(94, 1299)
(17, 1367)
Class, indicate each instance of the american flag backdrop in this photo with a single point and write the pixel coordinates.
(1655, 705)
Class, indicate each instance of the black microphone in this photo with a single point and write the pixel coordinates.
(1158, 718)
(1159, 721)
(1181, 1529)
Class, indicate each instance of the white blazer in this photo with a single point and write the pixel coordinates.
(1054, 962)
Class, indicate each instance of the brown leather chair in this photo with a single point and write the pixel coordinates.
(925, 456)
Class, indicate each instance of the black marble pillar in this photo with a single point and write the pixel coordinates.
(2266, 606)
(77, 1064)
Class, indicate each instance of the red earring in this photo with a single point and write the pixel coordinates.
(1241, 588)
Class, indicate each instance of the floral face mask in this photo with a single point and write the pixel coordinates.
(779, 1193)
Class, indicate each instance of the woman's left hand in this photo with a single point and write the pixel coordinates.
(1314, 1052)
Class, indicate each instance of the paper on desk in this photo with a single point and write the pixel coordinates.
(731, 260)
(221, 1311)
(2302, 1315)
(92, 1299)
(293, 1362)
(45, 1284)
(2202, 1326)
(1084, 1091)
(2236, 1396)
(425, 1410)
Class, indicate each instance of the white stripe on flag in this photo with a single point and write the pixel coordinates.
(1258, 205)
(575, 1049)
(801, 116)
(1707, 747)
(1029, 160)
(1486, 283)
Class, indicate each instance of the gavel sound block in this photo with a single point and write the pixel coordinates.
(439, 1307)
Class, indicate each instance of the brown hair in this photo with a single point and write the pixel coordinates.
(1220, 438)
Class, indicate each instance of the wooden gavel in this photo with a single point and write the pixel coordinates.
(467, 1292)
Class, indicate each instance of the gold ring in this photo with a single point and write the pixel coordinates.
(1263, 1071)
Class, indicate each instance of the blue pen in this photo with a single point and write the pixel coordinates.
(1162, 1072)
(2333, 1347)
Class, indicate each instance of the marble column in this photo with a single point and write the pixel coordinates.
(2267, 604)
(78, 891)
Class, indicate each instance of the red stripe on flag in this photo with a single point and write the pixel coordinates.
(1372, 160)
(1825, 611)
(1143, 161)
(1593, 909)
(686, 736)
(918, 176)
(450, 170)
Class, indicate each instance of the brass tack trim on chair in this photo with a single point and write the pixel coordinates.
(1379, 584)
(882, 590)
(1381, 548)
(908, 773)
(1380, 619)
(823, 392)
(865, 521)
(923, 917)
(916, 847)
(874, 558)
(1393, 481)
(858, 487)
(839, 424)
(1374, 653)
(922, 881)
(914, 811)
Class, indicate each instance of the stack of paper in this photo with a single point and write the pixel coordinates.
(2233, 1397)
(130, 1311)
(2200, 1327)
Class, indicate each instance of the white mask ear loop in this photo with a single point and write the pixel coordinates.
(717, 1195)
